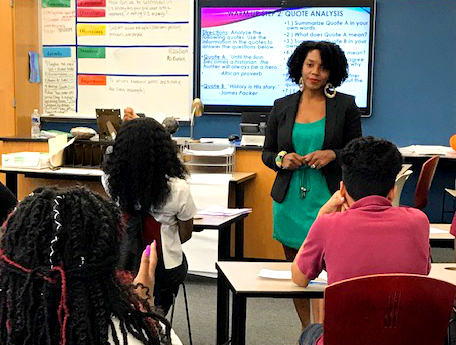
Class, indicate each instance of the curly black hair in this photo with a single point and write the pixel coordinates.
(332, 57)
(75, 301)
(142, 160)
(370, 166)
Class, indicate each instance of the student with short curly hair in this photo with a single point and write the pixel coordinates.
(58, 279)
(304, 136)
(146, 178)
(358, 232)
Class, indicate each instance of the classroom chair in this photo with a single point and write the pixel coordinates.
(186, 311)
(400, 181)
(393, 309)
(424, 182)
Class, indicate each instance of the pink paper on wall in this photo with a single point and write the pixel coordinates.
(91, 12)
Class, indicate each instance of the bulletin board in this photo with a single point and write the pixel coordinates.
(114, 54)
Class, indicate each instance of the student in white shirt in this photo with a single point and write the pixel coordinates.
(146, 178)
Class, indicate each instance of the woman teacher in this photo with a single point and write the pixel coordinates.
(304, 136)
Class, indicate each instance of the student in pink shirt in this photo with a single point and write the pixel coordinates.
(358, 232)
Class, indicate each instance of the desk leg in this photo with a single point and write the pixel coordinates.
(224, 244)
(239, 226)
(223, 299)
(11, 182)
(238, 320)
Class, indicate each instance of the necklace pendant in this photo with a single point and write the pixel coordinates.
(303, 192)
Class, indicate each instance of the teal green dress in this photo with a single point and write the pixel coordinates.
(294, 216)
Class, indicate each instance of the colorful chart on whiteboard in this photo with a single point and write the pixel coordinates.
(116, 53)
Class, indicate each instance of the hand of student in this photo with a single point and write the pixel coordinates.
(318, 159)
(336, 203)
(129, 114)
(146, 273)
(292, 161)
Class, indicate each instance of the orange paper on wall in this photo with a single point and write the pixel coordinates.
(91, 79)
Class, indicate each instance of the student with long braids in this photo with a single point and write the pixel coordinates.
(146, 178)
(58, 278)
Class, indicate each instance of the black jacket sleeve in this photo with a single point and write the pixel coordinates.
(352, 126)
(7, 202)
(270, 147)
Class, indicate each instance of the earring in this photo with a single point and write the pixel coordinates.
(329, 90)
(300, 83)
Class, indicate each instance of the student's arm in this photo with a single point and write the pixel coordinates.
(186, 210)
(185, 229)
(309, 262)
(297, 276)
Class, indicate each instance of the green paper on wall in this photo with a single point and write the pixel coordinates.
(91, 52)
(56, 3)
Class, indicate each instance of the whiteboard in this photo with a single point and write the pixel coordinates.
(116, 54)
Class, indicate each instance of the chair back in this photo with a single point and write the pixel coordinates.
(400, 181)
(424, 182)
(393, 309)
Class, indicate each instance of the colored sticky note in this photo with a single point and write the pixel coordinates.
(57, 52)
(91, 52)
(91, 3)
(56, 3)
(91, 79)
(91, 30)
(91, 12)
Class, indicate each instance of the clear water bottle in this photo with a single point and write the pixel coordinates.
(35, 124)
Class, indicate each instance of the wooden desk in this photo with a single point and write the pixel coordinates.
(441, 240)
(223, 225)
(444, 271)
(242, 279)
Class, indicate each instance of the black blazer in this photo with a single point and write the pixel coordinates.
(343, 123)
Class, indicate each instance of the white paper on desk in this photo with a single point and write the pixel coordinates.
(273, 274)
(437, 231)
(56, 147)
(216, 153)
(215, 140)
(79, 171)
(223, 211)
(202, 249)
(426, 150)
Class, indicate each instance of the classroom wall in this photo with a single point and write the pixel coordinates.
(6, 70)
(414, 99)
(7, 118)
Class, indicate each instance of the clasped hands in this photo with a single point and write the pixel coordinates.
(315, 160)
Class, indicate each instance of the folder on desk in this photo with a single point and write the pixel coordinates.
(35, 160)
